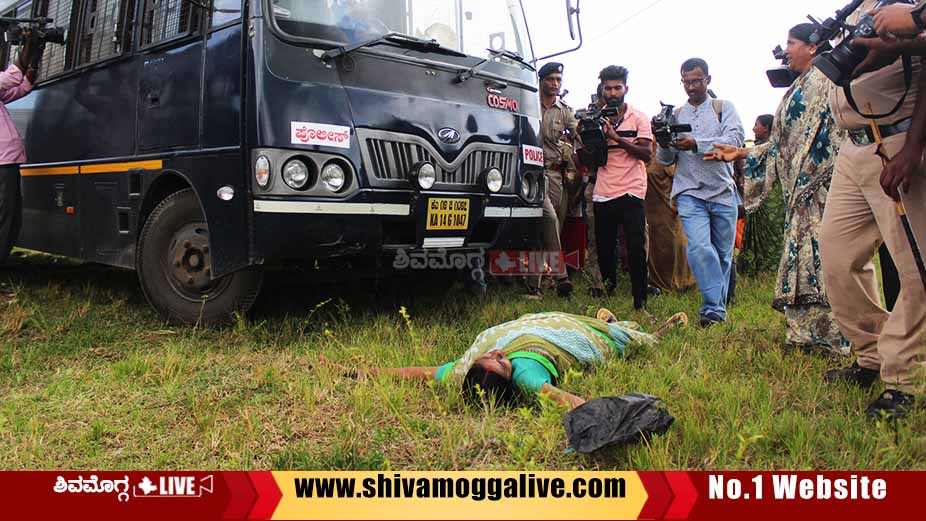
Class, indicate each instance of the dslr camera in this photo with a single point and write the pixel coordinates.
(839, 64)
(37, 30)
(666, 127)
(594, 152)
(781, 77)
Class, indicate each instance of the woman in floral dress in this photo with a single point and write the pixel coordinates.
(801, 154)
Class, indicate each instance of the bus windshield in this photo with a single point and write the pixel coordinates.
(468, 26)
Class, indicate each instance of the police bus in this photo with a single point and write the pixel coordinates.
(197, 142)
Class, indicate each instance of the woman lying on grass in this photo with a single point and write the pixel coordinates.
(527, 356)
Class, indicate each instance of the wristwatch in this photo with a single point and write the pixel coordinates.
(917, 15)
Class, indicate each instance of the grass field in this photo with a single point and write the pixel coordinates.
(90, 378)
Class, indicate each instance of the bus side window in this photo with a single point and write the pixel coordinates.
(55, 58)
(105, 30)
(164, 20)
(225, 11)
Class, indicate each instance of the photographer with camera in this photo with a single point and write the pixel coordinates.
(15, 82)
(705, 191)
(804, 167)
(885, 117)
(620, 190)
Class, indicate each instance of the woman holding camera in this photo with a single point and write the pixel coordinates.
(801, 153)
(15, 82)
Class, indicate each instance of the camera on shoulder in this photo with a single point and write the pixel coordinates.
(592, 121)
(839, 64)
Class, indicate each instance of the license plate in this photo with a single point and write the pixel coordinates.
(448, 214)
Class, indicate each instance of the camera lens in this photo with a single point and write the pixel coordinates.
(839, 64)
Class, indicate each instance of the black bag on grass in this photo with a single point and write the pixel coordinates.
(615, 420)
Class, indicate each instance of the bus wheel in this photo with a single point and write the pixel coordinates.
(173, 263)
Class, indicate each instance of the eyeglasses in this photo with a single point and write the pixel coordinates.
(694, 83)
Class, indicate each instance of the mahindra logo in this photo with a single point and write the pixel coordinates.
(501, 102)
(448, 135)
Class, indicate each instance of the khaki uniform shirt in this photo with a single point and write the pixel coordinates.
(882, 89)
(557, 148)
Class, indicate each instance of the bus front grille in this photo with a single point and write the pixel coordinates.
(390, 157)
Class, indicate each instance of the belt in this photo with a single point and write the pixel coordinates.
(865, 136)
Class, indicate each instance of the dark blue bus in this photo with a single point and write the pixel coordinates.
(198, 142)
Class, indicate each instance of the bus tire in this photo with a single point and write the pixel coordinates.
(173, 264)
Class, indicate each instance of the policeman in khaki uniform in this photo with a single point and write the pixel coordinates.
(559, 129)
(860, 215)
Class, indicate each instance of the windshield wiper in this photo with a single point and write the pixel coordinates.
(511, 55)
(400, 39)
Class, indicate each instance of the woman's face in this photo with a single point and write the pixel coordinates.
(496, 362)
(800, 54)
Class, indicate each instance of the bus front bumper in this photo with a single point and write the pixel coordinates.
(382, 223)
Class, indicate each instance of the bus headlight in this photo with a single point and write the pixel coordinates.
(527, 187)
(296, 174)
(425, 175)
(494, 180)
(262, 171)
(333, 177)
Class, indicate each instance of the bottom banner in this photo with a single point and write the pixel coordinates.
(460, 495)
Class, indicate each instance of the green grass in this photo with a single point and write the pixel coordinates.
(90, 378)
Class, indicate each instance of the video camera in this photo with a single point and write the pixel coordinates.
(666, 127)
(839, 64)
(783, 76)
(16, 30)
(594, 152)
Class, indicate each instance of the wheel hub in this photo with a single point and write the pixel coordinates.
(189, 261)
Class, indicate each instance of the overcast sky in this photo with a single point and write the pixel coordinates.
(653, 37)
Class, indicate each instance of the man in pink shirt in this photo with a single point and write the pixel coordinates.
(620, 191)
(14, 84)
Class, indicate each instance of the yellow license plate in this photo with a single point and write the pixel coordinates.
(448, 214)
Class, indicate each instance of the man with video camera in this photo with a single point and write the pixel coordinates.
(877, 97)
(15, 82)
(620, 189)
(705, 191)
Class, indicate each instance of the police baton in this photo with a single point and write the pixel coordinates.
(901, 209)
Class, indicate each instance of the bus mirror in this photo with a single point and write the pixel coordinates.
(575, 28)
(570, 12)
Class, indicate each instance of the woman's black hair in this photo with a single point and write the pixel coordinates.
(496, 387)
(767, 120)
(803, 32)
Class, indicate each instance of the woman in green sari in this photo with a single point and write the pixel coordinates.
(527, 356)
(801, 154)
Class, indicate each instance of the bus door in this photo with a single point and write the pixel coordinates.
(170, 85)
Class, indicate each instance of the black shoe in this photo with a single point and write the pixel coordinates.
(891, 403)
(854, 374)
(710, 319)
(564, 288)
(596, 292)
(653, 291)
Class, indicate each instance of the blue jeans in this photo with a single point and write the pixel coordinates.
(711, 232)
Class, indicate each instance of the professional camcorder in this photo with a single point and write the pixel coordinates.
(17, 30)
(783, 76)
(666, 127)
(594, 152)
(839, 64)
